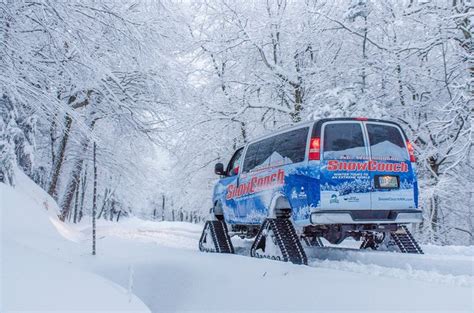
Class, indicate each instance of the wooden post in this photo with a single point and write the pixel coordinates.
(94, 199)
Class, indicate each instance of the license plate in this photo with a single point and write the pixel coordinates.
(387, 181)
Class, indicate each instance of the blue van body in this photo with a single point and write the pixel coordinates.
(373, 181)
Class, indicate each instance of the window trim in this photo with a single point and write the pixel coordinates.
(364, 136)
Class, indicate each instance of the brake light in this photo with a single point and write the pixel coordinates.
(315, 149)
(361, 119)
(411, 151)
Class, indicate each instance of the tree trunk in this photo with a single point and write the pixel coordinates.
(435, 201)
(94, 199)
(298, 107)
(163, 209)
(74, 178)
(83, 190)
(59, 159)
(52, 136)
(364, 57)
(76, 202)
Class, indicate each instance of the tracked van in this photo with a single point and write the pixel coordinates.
(333, 179)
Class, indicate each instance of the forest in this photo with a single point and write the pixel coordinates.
(130, 104)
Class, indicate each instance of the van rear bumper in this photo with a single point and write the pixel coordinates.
(366, 217)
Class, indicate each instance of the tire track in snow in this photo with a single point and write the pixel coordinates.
(441, 266)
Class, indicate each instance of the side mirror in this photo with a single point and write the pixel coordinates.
(219, 169)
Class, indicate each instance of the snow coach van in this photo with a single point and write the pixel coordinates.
(333, 179)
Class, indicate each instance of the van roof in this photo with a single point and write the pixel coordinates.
(271, 133)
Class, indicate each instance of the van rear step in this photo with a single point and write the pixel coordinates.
(215, 238)
(405, 241)
(277, 240)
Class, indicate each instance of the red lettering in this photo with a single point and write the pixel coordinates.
(240, 190)
(351, 166)
(404, 167)
(256, 184)
(230, 192)
(372, 165)
(253, 183)
(273, 177)
(332, 165)
(281, 177)
(380, 167)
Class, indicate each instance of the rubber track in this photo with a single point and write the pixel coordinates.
(286, 239)
(313, 241)
(405, 241)
(219, 235)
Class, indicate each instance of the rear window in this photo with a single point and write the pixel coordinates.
(286, 148)
(386, 142)
(343, 141)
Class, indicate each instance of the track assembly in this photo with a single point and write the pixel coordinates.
(215, 238)
(277, 240)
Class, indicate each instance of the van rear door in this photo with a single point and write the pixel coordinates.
(392, 176)
(344, 177)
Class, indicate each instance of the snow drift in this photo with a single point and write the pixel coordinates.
(40, 269)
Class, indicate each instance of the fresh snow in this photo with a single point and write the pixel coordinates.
(40, 268)
(144, 265)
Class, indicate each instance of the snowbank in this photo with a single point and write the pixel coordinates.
(39, 267)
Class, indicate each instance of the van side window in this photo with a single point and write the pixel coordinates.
(343, 141)
(257, 154)
(386, 142)
(249, 161)
(290, 147)
(286, 148)
(232, 168)
(265, 150)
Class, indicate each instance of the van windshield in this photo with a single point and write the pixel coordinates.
(344, 141)
(386, 142)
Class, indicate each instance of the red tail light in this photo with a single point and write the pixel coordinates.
(315, 149)
(361, 119)
(411, 151)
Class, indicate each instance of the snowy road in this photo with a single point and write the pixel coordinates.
(144, 266)
(169, 274)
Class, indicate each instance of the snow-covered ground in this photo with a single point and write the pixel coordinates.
(157, 264)
(40, 269)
